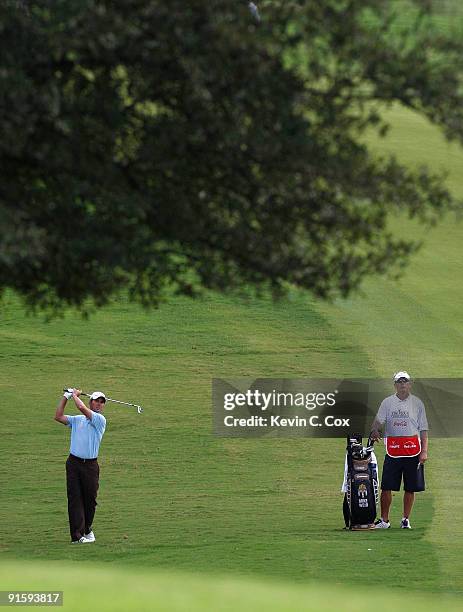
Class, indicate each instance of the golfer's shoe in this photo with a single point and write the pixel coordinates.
(82, 540)
(90, 536)
(380, 524)
(405, 524)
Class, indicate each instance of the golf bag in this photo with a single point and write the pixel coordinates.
(360, 485)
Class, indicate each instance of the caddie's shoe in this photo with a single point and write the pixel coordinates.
(405, 524)
(82, 540)
(90, 536)
(380, 524)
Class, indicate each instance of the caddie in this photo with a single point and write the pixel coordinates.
(82, 469)
(402, 419)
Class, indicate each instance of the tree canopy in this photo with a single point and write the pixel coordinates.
(150, 145)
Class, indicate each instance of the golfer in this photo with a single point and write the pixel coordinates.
(82, 469)
(402, 418)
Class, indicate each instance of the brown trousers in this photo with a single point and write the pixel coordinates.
(82, 478)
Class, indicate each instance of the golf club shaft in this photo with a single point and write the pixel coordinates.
(108, 399)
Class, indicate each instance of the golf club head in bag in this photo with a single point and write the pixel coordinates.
(361, 484)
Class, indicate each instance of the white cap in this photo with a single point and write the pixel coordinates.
(97, 394)
(399, 375)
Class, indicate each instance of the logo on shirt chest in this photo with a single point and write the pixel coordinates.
(400, 414)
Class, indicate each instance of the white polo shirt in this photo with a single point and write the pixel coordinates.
(402, 417)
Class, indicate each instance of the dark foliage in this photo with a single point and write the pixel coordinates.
(148, 144)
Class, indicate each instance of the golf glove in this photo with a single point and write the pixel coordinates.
(68, 393)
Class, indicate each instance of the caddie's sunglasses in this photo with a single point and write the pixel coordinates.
(404, 380)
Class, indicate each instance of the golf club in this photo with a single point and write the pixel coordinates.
(108, 399)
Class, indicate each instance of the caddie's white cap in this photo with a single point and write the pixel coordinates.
(399, 375)
(97, 394)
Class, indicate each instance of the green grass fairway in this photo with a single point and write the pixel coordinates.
(187, 521)
(117, 590)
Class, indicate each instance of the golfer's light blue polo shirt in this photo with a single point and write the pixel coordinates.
(86, 434)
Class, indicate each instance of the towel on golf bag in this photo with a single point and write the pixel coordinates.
(374, 464)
